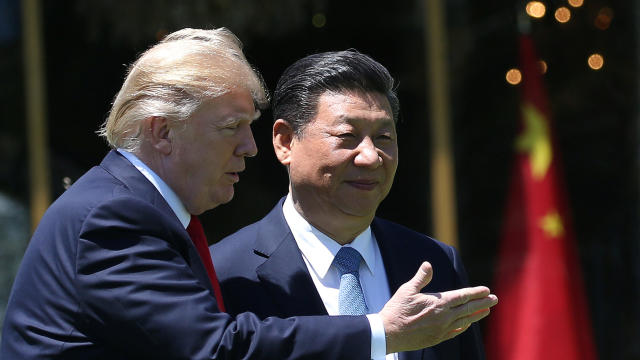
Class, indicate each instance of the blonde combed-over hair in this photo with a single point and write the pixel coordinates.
(173, 78)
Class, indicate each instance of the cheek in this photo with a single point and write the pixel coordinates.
(215, 158)
(391, 159)
(318, 163)
(393, 165)
(391, 173)
(205, 171)
(333, 168)
(390, 167)
(304, 173)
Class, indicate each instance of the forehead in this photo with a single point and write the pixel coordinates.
(353, 106)
(233, 105)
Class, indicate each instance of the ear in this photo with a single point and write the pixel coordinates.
(158, 134)
(282, 141)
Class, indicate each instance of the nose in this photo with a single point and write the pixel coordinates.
(367, 154)
(247, 146)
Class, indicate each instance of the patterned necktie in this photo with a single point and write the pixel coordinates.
(350, 298)
(200, 241)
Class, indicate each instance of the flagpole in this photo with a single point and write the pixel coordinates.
(443, 199)
(35, 102)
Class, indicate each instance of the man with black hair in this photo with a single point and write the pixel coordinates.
(322, 250)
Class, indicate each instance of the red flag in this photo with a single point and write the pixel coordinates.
(543, 310)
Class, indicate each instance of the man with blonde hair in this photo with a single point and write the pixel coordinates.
(118, 267)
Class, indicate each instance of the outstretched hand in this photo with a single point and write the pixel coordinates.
(413, 320)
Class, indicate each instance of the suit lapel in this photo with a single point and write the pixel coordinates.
(284, 273)
(398, 269)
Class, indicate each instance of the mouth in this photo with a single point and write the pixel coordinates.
(363, 184)
(235, 176)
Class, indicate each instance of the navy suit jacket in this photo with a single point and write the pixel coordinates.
(261, 270)
(110, 273)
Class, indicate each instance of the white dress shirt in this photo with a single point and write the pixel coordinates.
(318, 251)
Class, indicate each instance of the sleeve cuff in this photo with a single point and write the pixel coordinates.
(378, 340)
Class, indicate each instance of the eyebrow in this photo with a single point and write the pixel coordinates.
(345, 119)
(239, 117)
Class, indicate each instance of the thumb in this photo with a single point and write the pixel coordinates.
(422, 277)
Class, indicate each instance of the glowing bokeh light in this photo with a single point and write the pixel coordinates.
(595, 61)
(563, 14)
(576, 3)
(514, 76)
(319, 20)
(66, 182)
(543, 66)
(603, 19)
(535, 9)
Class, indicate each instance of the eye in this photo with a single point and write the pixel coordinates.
(385, 137)
(346, 135)
(231, 127)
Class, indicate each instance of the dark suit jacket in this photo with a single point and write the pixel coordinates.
(110, 273)
(261, 270)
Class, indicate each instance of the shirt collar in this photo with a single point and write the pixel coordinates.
(318, 248)
(169, 195)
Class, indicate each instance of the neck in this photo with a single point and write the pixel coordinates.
(342, 228)
(149, 159)
(161, 167)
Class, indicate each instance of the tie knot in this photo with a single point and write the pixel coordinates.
(194, 222)
(196, 232)
(347, 260)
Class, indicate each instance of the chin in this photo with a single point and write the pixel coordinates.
(360, 206)
(225, 198)
(360, 211)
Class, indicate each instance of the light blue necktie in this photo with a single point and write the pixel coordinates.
(350, 298)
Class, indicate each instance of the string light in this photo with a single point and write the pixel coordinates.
(535, 9)
(562, 14)
(576, 3)
(595, 61)
(513, 76)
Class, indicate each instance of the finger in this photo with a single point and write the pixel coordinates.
(470, 319)
(460, 330)
(475, 305)
(455, 332)
(421, 278)
(462, 296)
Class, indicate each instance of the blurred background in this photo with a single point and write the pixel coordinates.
(62, 62)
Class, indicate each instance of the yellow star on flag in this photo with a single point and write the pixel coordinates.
(552, 224)
(535, 141)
